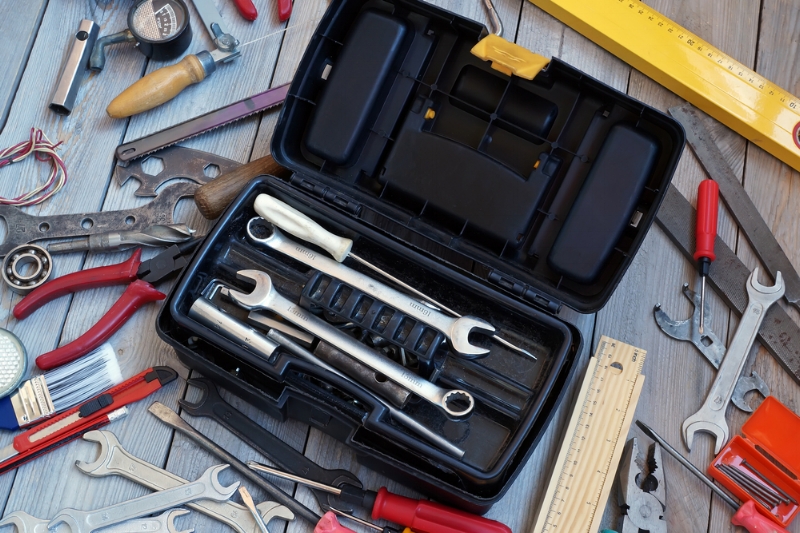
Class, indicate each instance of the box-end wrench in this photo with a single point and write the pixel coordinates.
(264, 296)
(711, 416)
(113, 459)
(457, 330)
(214, 406)
(165, 522)
(709, 345)
(207, 486)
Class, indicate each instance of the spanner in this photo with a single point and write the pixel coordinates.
(113, 459)
(709, 345)
(264, 296)
(207, 486)
(213, 406)
(26, 523)
(457, 330)
(711, 416)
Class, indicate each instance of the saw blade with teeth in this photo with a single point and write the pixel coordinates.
(202, 124)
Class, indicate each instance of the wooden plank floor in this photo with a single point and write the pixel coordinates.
(34, 37)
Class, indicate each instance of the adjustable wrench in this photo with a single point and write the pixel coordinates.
(711, 416)
(26, 523)
(113, 459)
(709, 345)
(457, 330)
(264, 296)
(207, 486)
(213, 406)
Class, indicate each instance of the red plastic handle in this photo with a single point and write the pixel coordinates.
(70, 422)
(247, 9)
(136, 295)
(284, 10)
(428, 517)
(124, 272)
(749, 518)
(707, 207)
(329, 524)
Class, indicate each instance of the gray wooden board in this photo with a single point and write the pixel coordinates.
(677, 377)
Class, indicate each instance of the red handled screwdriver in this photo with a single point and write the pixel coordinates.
(707, 207)
(420, 515)
(246, 9)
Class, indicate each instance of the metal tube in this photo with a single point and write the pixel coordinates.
(766, 480)
(74, 68)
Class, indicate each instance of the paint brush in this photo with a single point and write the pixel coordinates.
(61, 388)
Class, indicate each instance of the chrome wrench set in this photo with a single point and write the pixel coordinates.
(206, 495)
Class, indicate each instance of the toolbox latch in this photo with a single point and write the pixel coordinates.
(509, 58)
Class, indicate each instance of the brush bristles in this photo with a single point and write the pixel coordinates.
(83, 378)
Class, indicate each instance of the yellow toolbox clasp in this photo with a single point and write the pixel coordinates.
(509, 58)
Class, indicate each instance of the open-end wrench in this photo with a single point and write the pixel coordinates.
(165, 522)
(709, 345)
(207, 486)
(212, 405)
(264, 296)
(113, 459)
(711, 416)
(457, 330)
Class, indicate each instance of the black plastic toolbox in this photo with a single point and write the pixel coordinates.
(501, 197)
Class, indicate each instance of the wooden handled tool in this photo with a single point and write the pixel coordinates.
(213, 197)
(157, 87)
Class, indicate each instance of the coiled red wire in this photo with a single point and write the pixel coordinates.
(43, 149)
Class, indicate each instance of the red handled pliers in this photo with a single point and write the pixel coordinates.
(140, 275)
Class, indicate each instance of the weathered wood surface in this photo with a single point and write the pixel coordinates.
(33, 40)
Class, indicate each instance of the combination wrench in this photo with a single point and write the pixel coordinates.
(113, 459)
(165, 522)
(711, 416)
(709, 345)
(457, 330)
(214, 406)
(264, 296)
(207, 486)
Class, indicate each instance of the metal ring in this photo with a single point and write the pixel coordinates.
(16, 268)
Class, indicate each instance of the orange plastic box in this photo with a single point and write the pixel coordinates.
(769, 444)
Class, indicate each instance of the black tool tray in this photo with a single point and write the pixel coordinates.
(499, 196)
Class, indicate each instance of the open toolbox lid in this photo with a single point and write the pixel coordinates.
(774, 428)
(543, 187)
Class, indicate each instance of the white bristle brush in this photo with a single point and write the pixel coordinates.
(61, 388)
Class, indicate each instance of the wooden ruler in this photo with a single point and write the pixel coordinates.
(744, 101)
(581, 481)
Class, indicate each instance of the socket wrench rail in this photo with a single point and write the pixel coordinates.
(214, 406)
(207, 486)
(165, 522)
(264, 296)
(113, 460)
(711, 416)
(457, 330)
(23, 228)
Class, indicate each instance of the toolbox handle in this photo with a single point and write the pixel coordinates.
(509, 58)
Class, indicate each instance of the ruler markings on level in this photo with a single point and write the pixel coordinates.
(715, 82)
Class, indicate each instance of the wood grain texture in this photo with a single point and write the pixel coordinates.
(677, 376)
(20, 20)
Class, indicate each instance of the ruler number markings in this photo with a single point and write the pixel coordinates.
(715, 56)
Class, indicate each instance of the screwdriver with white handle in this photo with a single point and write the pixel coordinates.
(296, 223)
